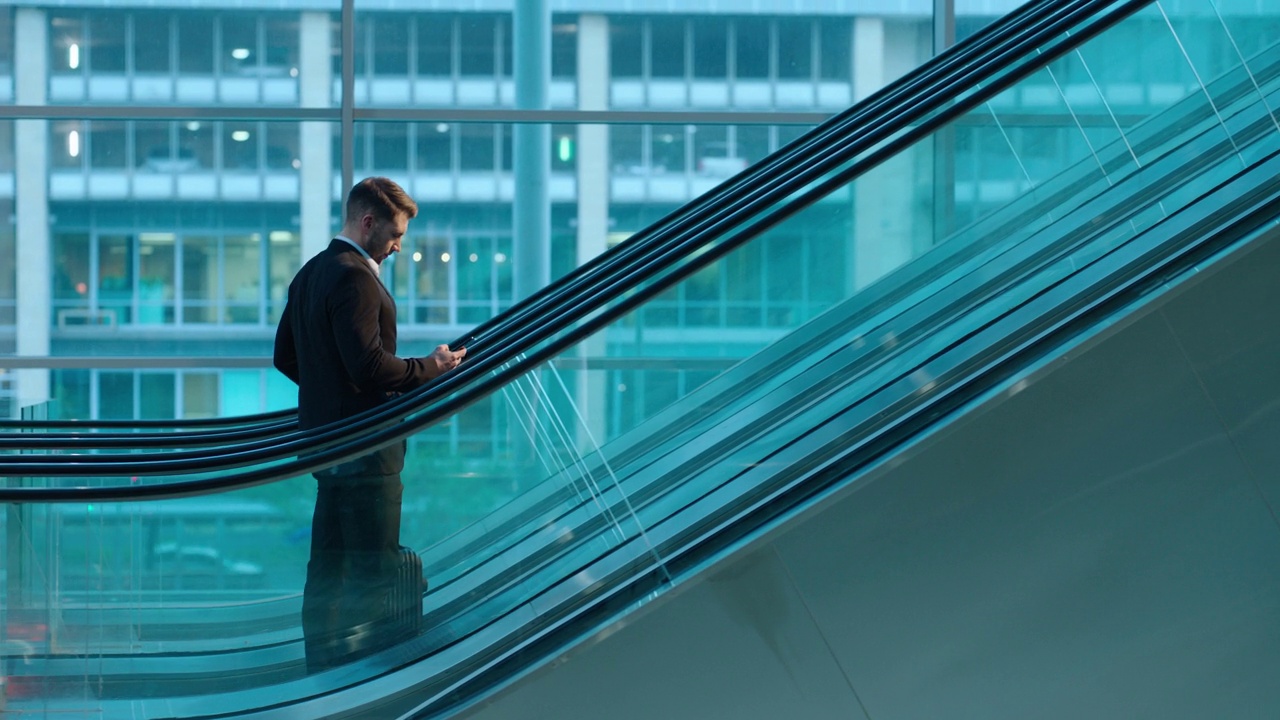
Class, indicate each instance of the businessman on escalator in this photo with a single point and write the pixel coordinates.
(337, 341)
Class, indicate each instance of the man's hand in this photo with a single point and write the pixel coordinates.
(443, 359)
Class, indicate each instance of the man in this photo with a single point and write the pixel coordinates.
(337, 341)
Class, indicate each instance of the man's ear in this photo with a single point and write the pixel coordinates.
(367, 221)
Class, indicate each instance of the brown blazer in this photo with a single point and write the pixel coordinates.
(337, 341)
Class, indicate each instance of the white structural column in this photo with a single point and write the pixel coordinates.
(315, 77)
(31, 201)
(890, 215)
(593, 140)
(593, 200)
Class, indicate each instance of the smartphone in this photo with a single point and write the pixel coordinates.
(455, 347)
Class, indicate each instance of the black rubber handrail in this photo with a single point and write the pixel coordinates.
(378, 432)
(542, 303)
(550, 301)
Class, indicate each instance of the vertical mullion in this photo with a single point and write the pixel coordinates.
(347, 128)
(944, 25)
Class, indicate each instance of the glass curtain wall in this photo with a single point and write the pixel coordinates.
(205, 161)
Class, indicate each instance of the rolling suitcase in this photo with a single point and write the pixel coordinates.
(405, 617)
(399, 620)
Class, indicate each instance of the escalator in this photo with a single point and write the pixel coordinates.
(743, 498)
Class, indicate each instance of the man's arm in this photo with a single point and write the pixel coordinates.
(354, 311)
(285, 357)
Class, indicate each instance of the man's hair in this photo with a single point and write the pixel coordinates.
(381, 197)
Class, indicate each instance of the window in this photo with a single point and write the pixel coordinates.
(6, 147)
(666, 48)
(115, 276)
(284, 258)
(238, 54)
(751, 48)
(390, 44)
(564, 47)
(242, 278)
(71, 270)
(199, 279)
(478, 149)
(390, 146)
(196, 145)
(430, 277)
(564, 148)
(108, 147)
(195, 43)
(710, 48)
(282, 40)
(434, 147)
(107, 42)
(152, 149)
(435, 45)
(8, 275)
(752, 143)
(834, 39)
(668, 144)
(156, 395)
(626, 149)
(6, 48)
(625, 47)
(240, 146)
(67, 44)
(282, 146)
(477, 41)
(156, 278)
(151, 43)
(795, 49)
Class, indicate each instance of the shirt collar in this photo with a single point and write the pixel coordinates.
(377, 270)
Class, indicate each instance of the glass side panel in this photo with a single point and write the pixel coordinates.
(608, 451)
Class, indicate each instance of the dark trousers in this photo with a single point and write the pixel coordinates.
(355, 548)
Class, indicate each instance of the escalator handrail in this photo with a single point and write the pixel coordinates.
(379, 433)
(879, 105)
